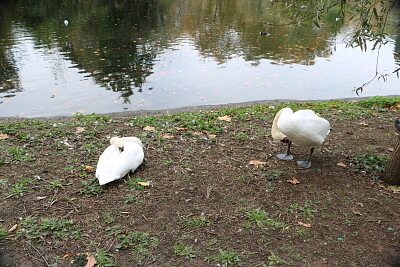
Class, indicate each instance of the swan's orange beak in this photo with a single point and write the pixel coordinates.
(121, 149)
(285, 140)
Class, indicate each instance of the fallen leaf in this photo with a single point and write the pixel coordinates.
(65, 256)
(88, 168)
(144, 183)
(394, 188)
(225, 118)
(341, 164)
(79, 129)
(257, 163)
(13, 229)
(356, 212)
(304, 224)
(180, 128)
(149, 128)
(3, 136)
(293, 181)
(212, 135)
(363, 124)
(390, 149)
(91, 261)
(167, 136)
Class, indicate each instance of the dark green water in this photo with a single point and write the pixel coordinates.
(62, 57)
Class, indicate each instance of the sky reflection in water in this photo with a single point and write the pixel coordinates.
(76, 72)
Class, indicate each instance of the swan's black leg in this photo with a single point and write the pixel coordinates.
(306, 163)
(286, 156)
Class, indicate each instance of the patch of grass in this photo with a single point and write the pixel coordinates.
(260, 218)
(379, 102)
(91, 188)
(272, 175)
(369, 163)
(184, 251)
(133, 183)
(139, 243)
(108, 218)
(306, 210)
(130, 198)
(38, 229)
(20, 188)
(3, 234)
(18, 154)
(242, 136)
(56, 184)
(196, 221)
(104, 259)
(225, 258)
(273, 260)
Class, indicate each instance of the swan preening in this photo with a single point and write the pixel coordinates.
(124, 154)
(303, 128)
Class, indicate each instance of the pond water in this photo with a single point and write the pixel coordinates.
(62, 57)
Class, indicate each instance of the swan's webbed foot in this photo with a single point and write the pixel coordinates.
(284, 156)
(304, 163)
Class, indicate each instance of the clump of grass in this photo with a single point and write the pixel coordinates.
(274, 260)
(38, 229)
(20, 188)
(184, 251)
(91, 188)
(139, 243)
(196, 221)
(261, 219)
(306, 210)
(18, 154)
(225, 258)
(369, 163)
(104, 259)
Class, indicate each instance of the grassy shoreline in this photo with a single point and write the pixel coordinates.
(216, 194)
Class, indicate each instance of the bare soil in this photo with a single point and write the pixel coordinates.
(203, 190)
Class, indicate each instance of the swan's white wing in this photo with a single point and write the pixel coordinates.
(304, 128)
(123, 162)
(133, 139)
(105, 160)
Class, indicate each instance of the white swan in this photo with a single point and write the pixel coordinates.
(122, 156)
(303, 128)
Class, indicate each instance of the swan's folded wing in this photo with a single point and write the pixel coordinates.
(128, 160)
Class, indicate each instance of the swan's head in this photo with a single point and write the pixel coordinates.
(118, 143)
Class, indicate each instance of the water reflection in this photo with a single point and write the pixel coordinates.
(162, 54)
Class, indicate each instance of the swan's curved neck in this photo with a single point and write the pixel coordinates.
(277, 135)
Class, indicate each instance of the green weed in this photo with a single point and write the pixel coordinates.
(369, 163)
(104, 259)
(39, 229)
(260, 218)
(197, 221)
(184, 251)
(90, 188)
(225, 258)
(20, 188)
(306, 210)
(273, 260)
(18, 154)
(139, 243)
(130, 198)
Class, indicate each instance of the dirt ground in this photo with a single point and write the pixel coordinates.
(201, 198)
